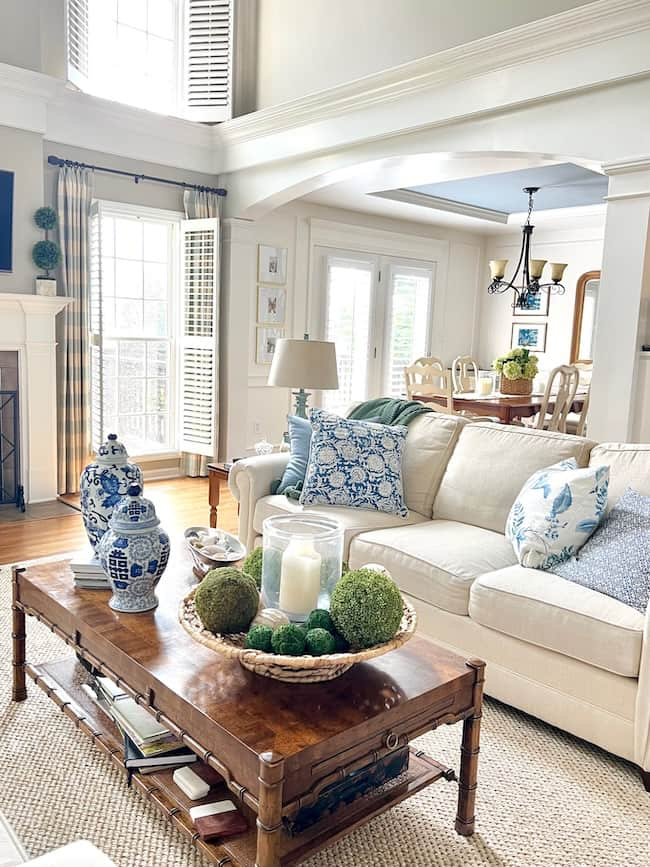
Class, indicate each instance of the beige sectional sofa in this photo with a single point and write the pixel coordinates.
(566, 654)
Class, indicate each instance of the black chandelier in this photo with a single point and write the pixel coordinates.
(531, 269)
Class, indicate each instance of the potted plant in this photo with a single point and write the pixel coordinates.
(518, 368)
(46, 254)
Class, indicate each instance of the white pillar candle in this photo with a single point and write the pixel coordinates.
(485, 385)
(300, 577)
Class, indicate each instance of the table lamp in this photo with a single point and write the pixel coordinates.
(304, 364)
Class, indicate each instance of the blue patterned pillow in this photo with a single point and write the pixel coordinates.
(355, 463)
(616, 560)
(556, 511)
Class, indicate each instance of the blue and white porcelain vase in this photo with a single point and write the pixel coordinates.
(103, 484)
(134, 553)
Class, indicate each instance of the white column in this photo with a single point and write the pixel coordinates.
(622, 321)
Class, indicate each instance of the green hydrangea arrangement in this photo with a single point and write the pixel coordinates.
(259, 638)
(226, 601)
(366, 608)
(289, 640)
(253, 566)
(320, 619)
(319, 641)
(517, 364)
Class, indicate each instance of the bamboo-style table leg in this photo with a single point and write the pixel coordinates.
(469, 751)
(269, 818)
(214, 492)
(19, 691)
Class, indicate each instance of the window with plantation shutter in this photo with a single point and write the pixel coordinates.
(77, 37)
(208, 59)
(95, 313)
(199, 358)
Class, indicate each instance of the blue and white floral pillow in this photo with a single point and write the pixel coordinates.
(355, 463)
(555, 513)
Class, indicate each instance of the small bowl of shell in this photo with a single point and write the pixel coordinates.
(211, 548)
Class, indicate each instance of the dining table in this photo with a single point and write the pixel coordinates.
(509, 409)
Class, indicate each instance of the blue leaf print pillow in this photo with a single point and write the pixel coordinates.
(355, 463)
(555, 513)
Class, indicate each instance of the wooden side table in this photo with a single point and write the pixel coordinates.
(216, 472)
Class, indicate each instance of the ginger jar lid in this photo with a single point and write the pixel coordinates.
(133, 512)
(112, 453)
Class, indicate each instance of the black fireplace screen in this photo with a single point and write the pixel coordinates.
(11, 491)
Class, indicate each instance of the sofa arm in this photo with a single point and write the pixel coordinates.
(249, 480)
(79, 854)
(642, 712)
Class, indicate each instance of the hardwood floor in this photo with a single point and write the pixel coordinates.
(180, 503)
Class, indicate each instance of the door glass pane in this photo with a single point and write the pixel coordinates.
(409, 305)
(349, 296)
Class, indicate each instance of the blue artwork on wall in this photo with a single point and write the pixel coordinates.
(6, 219)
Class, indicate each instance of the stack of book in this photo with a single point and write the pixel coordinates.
(87, 571)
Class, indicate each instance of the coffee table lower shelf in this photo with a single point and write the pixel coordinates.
(61, 681)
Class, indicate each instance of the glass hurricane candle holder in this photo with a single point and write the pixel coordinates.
(302, 561)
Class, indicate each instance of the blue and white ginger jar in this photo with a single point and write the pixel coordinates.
(103, 484)
(134, 553)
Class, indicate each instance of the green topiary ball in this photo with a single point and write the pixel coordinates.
(340, 644)
(226, 600)
(45, 218)
(259, 638)
(366, 608)
(46, 255)
(253, 565)
(320, 619)
(319, 641)
(289, 640)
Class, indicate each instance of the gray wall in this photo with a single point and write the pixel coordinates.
(20, 33)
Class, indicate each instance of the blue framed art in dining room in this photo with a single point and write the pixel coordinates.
(6, 219)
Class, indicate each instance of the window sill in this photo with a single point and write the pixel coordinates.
(155, 456)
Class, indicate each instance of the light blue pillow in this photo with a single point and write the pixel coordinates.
(555, 513)
(355, 463)
(300, 441)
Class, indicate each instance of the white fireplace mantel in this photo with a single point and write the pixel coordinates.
(27, 326)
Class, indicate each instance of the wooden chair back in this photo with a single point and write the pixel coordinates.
(464, 374)
(431, 384)
(421, 371)
(560, 391)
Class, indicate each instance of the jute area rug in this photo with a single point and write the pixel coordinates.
(545, 799)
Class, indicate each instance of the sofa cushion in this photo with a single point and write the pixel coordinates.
(354, 521)
(430, 441)
(489, 466)
(629, 467)
(545, 610)
(436, 561)
(11, 849)
(79, 854)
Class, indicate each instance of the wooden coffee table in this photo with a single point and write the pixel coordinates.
(276, 745)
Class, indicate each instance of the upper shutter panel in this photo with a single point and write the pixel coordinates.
(199, 361)
(208, 60)
(77, 41)
(96, 328)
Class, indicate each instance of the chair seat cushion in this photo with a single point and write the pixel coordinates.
(354, 521)
(544, 609)
(437, 561)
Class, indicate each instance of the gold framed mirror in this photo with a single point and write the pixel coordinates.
(584, 317)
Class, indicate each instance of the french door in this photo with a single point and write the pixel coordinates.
(378, 311)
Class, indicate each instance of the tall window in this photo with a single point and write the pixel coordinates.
(169, 56)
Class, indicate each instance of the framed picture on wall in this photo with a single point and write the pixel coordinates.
(271, 305)
(266, 340)
(6, 220)
(272, 264)
(537, 305)
(529, 335)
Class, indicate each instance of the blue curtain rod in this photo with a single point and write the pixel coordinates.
(57, 161)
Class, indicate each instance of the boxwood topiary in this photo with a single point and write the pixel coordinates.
(226, 600)
(320, 619)
(366, 608)
(252, 565)
(46, 255)
(259, 638)
(289, 640)
(319, 641)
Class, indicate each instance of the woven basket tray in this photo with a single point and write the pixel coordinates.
(295, 669)
(516, 386)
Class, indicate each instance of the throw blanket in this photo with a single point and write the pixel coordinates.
(389, 410)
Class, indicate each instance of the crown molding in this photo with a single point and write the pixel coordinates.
(627, 166)
(412, 197)
(577, 28)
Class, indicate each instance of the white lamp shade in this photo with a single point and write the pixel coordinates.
(304, 364)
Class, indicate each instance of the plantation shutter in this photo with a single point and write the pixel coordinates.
(96, 327)
(208, 60)
(199, 360)
(77, 42)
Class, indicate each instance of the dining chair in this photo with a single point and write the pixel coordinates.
(576, 422)
(431, 384)
(422, 371)
(560, 391)
(464, 374)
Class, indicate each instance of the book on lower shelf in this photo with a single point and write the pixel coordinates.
(135, 758)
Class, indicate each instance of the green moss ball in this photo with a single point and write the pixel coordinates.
(259, 638)
(320, 619)
(366, 608)
(340, 644)
(289, 640)
(319, 641)
(253, 566)
(226, 600)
